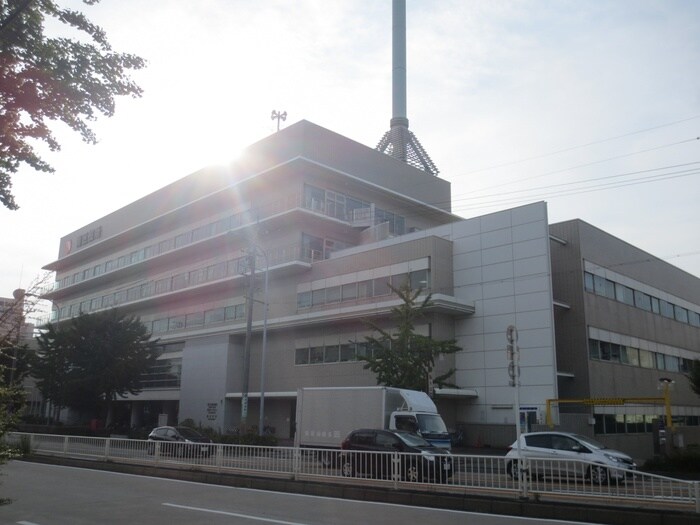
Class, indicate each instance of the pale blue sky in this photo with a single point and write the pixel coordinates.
(490, 83)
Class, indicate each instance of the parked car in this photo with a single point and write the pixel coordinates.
(179, 441)
(366, 452)
(595, 462)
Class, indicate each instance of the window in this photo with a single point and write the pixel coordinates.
(133, 293)
(120, 297)
(180, 281)
(183, 239)
(347, 352)
(107, 300)
(632, 356)
(681, 314)
(163, 285)
(136, 256)
(364, 289)
(318, 297)
(316, 354)
(222, 225)
(588, 282)
(333, 294)
(605, 351)
(332, 354)
(646, 359)
(614, 352)
(667, 309)
(214, 316)
(694, 318)
(593, 349)
(660, 364)
(176, 323)
(98, 270)
(216, 271)
(349, 292)
(420, 279)
(314, 198)
(123, 261)
(202, 232)
(147, 289)
(165, 246)
(655, 305)
(642, 300)
(381, 286)
(96, 303)
(301, 356)
(194, 319)
(198, 276)
(673, 363)
(160, 325)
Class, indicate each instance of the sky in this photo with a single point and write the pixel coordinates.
(592, 106)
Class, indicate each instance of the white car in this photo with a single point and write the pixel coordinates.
(561, 454)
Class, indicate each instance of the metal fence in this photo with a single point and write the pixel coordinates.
(545, 480)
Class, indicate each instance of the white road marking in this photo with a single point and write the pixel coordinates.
(26, 523)
(235, 514)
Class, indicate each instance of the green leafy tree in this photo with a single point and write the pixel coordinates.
(405, 359)
(52, 79)
(694, 377)
(89, 361)
(11, 402)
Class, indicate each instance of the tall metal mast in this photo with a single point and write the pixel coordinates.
(399, 142)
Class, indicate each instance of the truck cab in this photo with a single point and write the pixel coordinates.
(429, 426)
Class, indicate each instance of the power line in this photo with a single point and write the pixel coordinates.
(571, 148)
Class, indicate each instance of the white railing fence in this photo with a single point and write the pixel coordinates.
(552, 480)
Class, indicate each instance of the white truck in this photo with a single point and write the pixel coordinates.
(326, 415)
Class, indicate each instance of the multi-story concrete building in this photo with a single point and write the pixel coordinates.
(627, 328)
(331, 223)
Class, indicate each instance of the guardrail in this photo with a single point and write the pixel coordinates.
(542, 479)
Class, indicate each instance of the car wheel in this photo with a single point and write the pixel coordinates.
(411, 473)
(348, 469)
(512, 468)
(597, 475)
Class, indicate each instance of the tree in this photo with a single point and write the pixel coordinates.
(44, 80)
(694, 377)
(406, 359)
(89, 361)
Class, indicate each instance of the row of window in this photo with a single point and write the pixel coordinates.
(624, 294)
(629, 355)
(336, 353)
(636, 423)
(378, 287)
(213, 272)
(195, 319)
(347, 208)
(328, 202)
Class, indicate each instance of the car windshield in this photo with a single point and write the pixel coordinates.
(188, 433)
(589, 441)
(432, 424)
(413, 440)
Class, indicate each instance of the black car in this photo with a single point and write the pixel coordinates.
(392, 454)
(179, 441)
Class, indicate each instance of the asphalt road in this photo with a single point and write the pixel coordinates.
(57, 495)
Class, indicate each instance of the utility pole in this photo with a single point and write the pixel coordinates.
(248, 337)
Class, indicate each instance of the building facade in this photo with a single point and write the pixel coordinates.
(326, 224)
(627, 332)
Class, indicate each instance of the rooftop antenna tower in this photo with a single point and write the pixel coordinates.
(399, 142)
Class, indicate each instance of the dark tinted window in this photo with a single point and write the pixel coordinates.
(363, 438)
(386, 440)
(540, 441)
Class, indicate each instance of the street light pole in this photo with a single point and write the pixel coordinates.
(261, 422)
(246, 345)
